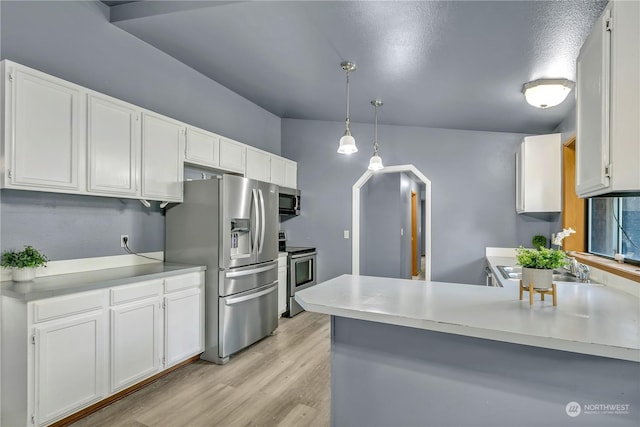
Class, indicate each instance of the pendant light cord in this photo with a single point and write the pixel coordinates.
(375, 138)
(347, 122)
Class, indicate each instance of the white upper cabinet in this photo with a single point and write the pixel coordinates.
(42, 132)
(278, 170)
(202, 148)
(162, 157)
(539, 174)
(290, 174)
(608, 104)
(258, 165)
(113, 144)
(232, 155)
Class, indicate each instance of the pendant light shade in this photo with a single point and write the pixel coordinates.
(375, 163)
(347, 142)
(545, 93)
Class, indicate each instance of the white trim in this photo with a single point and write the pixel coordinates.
(355, 219)
(79, 265)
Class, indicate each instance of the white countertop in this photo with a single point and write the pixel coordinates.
(589, 319)
(65, 284)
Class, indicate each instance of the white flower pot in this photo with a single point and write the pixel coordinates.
(542, 278)
(23, 274)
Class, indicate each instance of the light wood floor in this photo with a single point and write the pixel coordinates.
(282, 380)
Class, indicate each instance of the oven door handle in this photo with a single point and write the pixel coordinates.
(310, 254)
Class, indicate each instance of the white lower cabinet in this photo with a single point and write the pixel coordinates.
(183, 315)
(69, 365)
(87, 346)
(136, 342)
(282, 284)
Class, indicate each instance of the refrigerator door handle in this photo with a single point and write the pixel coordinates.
(254, 202)
(272, 287)
(263, 221)
(271, 266)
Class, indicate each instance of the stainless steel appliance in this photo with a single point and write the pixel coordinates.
(289, 201)
(230, 224)
(301, 275)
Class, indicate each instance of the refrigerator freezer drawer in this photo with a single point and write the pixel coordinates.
(246, 318)
(243, 279)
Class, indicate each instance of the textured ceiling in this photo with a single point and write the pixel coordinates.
(452, 64)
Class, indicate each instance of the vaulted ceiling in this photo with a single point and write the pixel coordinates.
(448, 64)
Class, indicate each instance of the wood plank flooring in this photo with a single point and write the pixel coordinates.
(282, 380)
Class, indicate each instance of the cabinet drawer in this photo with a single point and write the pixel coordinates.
(66, 306)
(135, 292)
(177, 283)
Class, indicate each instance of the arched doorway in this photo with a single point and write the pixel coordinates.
(356, 203)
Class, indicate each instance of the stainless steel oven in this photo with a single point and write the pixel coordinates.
(301, 275)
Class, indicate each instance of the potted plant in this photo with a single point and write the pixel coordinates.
(538, 265)
(23, 263)
(538, 241)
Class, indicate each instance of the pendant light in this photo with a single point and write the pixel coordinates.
(375, 164)
(347, 142)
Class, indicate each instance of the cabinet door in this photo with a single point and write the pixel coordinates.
(277, 170)
(520, 179)
(290, 174)
(162, 158)
(282, 290)
(258, 165)
(203, 148)
(232, 156)
(113, 135)
(183, 325)
(136, 342)
(43, 118)
(592, 111)
(69, 365)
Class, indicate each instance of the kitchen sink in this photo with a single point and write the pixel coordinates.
(560, 275)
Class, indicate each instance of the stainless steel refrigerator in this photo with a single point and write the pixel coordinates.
(230, 224)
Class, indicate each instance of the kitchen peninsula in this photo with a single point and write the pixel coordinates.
(411, 353)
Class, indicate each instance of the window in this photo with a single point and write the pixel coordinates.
(614, 227)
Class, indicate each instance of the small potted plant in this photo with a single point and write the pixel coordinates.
(538, 265)
(23, 263)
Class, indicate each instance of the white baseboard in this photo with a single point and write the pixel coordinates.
(68, 266)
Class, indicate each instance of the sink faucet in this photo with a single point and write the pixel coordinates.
(583, 273)
(572, 265)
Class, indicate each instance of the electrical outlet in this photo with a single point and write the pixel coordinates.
(124, 240)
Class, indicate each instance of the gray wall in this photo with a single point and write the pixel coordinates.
(568, 126)
(75, 41)
(380, 242)
(66, 226)
(473, 192)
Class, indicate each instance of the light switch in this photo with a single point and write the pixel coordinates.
(402, 231)
(346, 234)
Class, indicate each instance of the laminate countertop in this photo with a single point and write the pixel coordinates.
(589, 319)
(65, 284)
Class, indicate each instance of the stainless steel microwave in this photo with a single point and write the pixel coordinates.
(289, 201)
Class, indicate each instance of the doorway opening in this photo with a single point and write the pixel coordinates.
(410, 234)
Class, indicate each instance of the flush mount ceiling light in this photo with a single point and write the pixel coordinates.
(375, 164)
(545, 93)
(347, 142)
